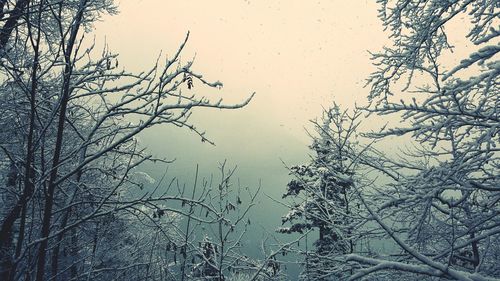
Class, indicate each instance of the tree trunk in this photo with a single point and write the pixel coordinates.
(49, 195)
(11, 23)
(6, 233)
(29, 172)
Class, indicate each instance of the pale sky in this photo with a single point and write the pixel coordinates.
(296, 55)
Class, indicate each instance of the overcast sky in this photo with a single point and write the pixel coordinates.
(298, 56)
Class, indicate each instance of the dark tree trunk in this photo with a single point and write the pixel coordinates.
(6, 232)
(49, 194)
(12, 21)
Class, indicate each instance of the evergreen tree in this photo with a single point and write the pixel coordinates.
(323, 189)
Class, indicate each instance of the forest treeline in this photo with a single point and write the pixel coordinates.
(74, 204)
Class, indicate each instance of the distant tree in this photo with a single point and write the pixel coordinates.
(214, 247)
(324, 197)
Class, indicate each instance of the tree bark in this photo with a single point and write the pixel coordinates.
(11, 22)
(50, 192)
(29, 172)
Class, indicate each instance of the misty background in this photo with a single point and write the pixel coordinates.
(297, 56)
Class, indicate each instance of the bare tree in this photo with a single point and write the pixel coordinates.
(439, 203)
(71, 148)
(214, 247)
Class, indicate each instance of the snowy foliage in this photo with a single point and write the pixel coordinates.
(75, 207)
(440, 203)
(325, 195)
